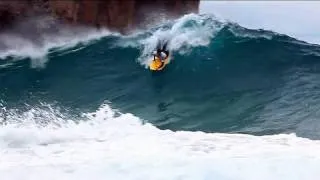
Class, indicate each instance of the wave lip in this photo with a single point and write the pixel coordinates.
(46, 35)
(113, 145)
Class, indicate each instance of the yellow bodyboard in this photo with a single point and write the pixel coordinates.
(156, 64)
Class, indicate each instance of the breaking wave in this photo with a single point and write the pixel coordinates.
(234, 103)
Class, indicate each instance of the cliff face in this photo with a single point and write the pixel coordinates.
(114, 14)
(14, 10)
(118, 15)
(148, 11)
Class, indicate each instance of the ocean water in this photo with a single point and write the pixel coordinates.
(234, 103)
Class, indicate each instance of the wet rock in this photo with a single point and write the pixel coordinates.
(120, 15)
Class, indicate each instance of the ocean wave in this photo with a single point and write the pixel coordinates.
(115, 145)
(35, 38)
(226, 75)
(38, 37)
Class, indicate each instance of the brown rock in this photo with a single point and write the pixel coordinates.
(120, 15)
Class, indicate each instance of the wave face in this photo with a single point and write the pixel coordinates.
(84, 104)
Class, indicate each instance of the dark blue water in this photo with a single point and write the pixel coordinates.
(242, 80)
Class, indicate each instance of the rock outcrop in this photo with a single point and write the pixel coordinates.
(121, 15)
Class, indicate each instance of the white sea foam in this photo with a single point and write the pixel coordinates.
(36, 37)
(111, 146)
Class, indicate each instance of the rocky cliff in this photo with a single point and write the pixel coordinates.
(118, 15)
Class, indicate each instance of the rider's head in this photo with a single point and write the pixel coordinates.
(162, 55)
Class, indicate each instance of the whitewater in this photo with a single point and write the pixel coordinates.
(118, 146)
(41, 142)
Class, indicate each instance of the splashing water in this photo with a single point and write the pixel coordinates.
(119, 146)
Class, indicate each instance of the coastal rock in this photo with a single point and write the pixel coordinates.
(120, 15)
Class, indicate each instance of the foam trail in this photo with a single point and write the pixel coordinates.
(35, 37)
(118, 146)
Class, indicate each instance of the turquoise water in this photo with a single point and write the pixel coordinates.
(231, 84)
(223, 78)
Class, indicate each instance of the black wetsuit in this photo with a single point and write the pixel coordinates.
(162, 49)
(158, 55)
